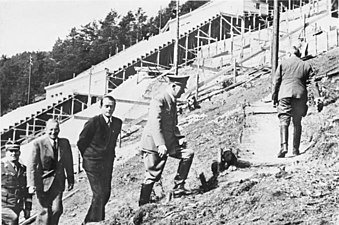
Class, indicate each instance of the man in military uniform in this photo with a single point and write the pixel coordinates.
(14, 193)
(161, 138)
(290, 94)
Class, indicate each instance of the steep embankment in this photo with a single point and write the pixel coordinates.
(296, 190)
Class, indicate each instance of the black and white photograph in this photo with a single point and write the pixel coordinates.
(143, 112)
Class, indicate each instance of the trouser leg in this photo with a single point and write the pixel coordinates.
(297, 128)
(154, 166)
(145, 193)
(56, 209)
(44, 207)
(186, 159)
(284, 115)
(97, 209)
(283, 141)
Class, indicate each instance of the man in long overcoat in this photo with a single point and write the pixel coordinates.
(161, 138)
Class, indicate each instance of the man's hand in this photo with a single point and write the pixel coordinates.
(162, 150)
(31, 190)
(27, 213)
(183, 142)
(70, 187)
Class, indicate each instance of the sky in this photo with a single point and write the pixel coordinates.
(35, 25)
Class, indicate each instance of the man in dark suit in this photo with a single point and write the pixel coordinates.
(51, 162)
(14, 193)
(290, 94)
(97, 143)
(161, 137)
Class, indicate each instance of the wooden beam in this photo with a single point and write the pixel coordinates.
(231, 24)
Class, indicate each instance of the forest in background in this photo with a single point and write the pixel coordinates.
(82, 48)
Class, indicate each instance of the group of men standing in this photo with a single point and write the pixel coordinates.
(51, 160)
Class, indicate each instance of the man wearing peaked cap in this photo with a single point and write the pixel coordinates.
(161, 138)
(179, 80)
(14, 193)
(290, 82)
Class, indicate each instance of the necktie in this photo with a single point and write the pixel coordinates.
(109, 122)
(15, 167)
(55, 150)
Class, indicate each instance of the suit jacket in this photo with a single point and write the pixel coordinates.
(42, 172)
(14, 186)
(97, 142)
(291, 77)
(161, 127)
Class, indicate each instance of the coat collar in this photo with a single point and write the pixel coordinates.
(10, 166)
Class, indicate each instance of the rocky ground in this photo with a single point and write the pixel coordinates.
(261, 190)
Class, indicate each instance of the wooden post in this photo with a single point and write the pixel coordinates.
(232, 43)
(27, 129)
(106, 80)
(254, 21)
(53, 113)
(259, 31)
(224, 42)
(250, 38)
(198, 42)
(186, 50)
(315, 39)
(275, 39)
(158, 57)
(337, 32)
(33, 129)
(231, 24)
(89, 100)
(176, 45)
(327, 42)
(242, 36)
(235, 71)
(197, 81)
(60, 114)
(29, 78)
(220, 28)
(203, 66)
(72, 105)
(209, 32)
(14, 132)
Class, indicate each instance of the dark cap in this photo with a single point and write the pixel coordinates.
(180, 80)
(10, 145)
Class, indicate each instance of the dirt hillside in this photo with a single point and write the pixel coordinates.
(261, 190)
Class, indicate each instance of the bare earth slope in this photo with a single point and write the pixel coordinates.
(265, 190)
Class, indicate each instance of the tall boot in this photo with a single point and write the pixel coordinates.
(283, 141)
(296, 139)
(179, 189)
(145, 193)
